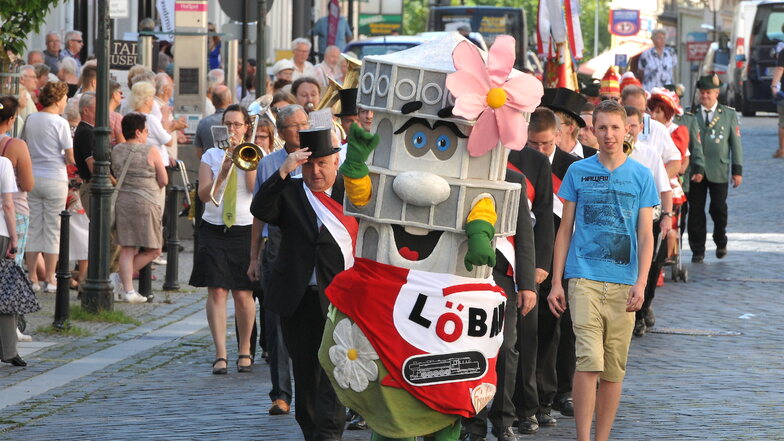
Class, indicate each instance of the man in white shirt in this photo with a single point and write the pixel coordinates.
(661, 226)
(653, 134)
(302, 67)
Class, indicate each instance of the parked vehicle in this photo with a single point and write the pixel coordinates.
(382, 45)
(490, 21)
(757, 30)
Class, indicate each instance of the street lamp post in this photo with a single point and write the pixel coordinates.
(97, 292)
(261, 56)
(714, 6)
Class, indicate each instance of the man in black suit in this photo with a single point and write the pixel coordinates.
(518, 283)
(536, 169)
(555, 336)
(308, 259)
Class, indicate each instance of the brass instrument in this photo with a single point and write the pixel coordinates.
(262, 106)
(331, 99)
(245, 156)
(628, 144)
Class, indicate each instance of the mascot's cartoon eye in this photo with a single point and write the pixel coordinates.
(419, 140)
(443, 143)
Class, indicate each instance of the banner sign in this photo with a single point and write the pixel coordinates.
(380, 24)
(123, 54)
(696, 50)
(625, 22)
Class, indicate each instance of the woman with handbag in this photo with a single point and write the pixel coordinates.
(141, 177)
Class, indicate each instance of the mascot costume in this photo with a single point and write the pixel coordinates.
(416, 321)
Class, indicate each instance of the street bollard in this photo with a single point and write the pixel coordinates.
(145, 282)
(172, 241)
(62, 298)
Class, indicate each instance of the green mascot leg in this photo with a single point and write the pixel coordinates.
(448, 433)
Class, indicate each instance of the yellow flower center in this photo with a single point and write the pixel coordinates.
(496, 97)
(352, 354)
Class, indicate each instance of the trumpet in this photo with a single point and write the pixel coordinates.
(628, 144)
(245, 156)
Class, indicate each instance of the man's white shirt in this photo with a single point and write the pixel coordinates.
(656, 136)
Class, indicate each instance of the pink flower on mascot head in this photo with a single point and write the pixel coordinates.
(489, 93)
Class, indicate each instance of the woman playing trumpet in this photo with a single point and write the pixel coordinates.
(223, 251)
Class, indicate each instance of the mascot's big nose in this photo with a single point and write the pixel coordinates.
(421, 188)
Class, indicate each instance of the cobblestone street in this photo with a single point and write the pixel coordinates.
(154, 381)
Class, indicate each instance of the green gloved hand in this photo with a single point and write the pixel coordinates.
(360, 144)
(480, 244)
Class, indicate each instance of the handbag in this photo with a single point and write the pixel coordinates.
(115, 193)
(16, 292)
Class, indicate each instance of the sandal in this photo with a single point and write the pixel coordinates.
(248, 368)
(219, 371)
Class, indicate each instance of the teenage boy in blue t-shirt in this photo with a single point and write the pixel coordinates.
(608, 203)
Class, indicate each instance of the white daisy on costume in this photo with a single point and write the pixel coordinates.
(353, 357)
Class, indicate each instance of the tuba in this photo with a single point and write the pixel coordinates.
(330, 99)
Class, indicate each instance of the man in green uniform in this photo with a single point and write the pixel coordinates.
(720, 134)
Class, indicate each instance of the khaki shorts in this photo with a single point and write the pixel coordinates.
(602, 327)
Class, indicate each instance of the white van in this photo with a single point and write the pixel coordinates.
(757, 29)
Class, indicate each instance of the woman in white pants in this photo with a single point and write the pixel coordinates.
(48, 138)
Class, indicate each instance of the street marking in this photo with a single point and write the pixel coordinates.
(746, 316)
(76, 369)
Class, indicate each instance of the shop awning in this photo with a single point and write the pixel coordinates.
(596, 67)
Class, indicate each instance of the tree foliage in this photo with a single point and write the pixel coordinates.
(415, 18)
(18, 19)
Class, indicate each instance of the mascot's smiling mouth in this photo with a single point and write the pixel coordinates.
(412, 246)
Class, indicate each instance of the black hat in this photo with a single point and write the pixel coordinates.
(566, 101)
(709, 82)
(319, 141)
(348, 102)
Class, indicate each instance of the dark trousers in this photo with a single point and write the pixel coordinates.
(501, 411)
(526, 395)
(555, 361)
(566, 361)
(317, 410)
(698, 194)
(656, 266)
(279, 361)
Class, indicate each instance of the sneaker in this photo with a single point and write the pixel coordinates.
(134, 297)
(117, 286)
(22, 337)
(50, 288)
(159, 261)
(545, 419)
(528, 425)
(36, 286)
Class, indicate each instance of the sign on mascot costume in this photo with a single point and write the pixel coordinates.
(416, 322)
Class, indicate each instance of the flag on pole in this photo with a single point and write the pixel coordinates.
(332, 23)
(559, 37)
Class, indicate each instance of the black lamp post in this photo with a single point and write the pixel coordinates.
(97, 294)
(714, 6)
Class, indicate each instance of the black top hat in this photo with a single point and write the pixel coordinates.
(348, 102)
(319, 141)
(566, 101)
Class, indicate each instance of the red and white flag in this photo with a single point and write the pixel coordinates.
(332, 22)
(438, 335)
